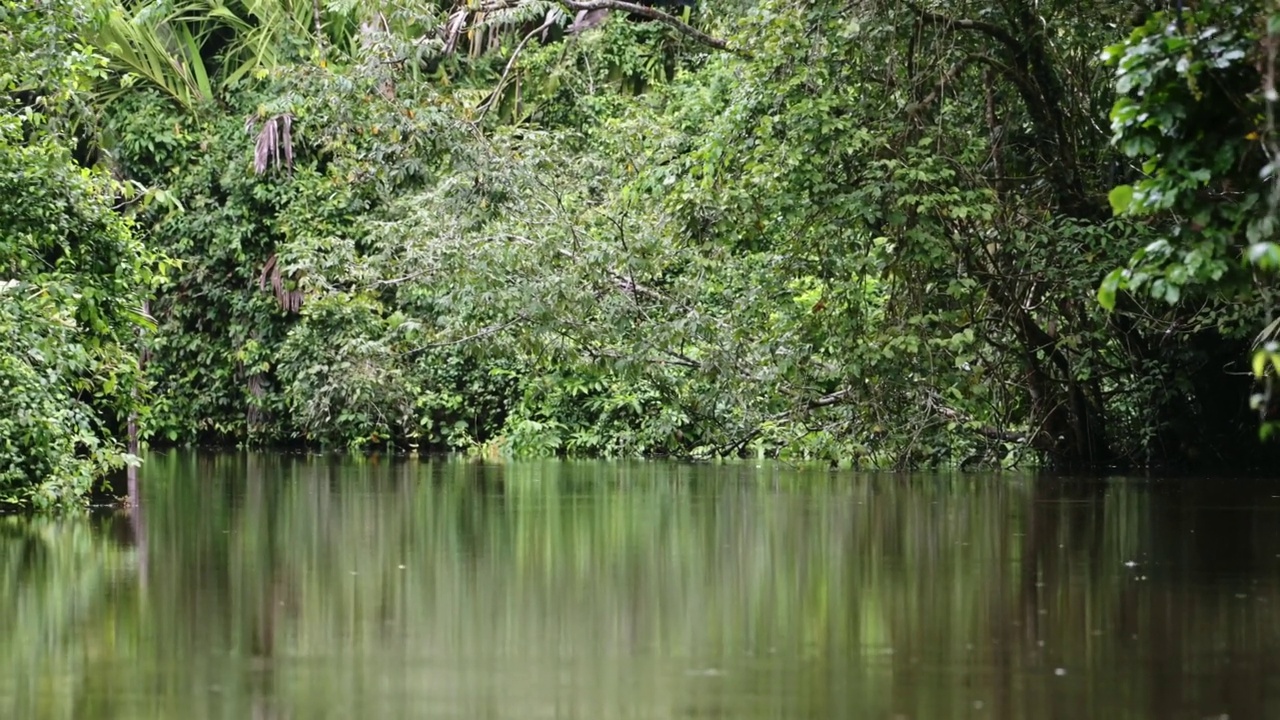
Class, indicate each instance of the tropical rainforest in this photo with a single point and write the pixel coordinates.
(877, 233)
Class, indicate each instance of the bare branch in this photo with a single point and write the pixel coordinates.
(648, 12)
(987, 431)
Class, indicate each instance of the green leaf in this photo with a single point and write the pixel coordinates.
(1121, 198)
(1107, 291)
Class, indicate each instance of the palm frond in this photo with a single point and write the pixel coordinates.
(150, 44)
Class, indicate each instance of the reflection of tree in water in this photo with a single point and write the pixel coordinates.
(300, 585)
(1065, 524)
(63, 583)
(479, 496)
(1213, 549)
(24, 550)
(1175, 605)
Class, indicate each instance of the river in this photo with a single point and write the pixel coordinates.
(266, 587)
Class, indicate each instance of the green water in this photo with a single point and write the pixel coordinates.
(265, 587)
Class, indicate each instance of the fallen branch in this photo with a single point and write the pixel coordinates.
(987, 431)
(737, 446)
(832, 399)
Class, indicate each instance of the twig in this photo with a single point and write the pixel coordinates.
(948, 78)
(402, 279)
(492, 329)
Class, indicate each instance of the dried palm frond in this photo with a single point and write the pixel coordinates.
(275, 140)
(290, 299)
(486, 23)
(453, 29)
(587, 19)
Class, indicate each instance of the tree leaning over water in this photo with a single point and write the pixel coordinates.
(1197, 103)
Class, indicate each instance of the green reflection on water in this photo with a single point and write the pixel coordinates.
(257, 586)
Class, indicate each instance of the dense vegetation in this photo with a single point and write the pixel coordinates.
(72, 274)
(879, 232)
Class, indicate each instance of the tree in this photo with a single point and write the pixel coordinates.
(72, 276)
(1196, 108)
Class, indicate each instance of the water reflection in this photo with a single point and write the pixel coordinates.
(278, 587)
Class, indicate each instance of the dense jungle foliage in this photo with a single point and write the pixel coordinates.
(72, 274)
(871, 232)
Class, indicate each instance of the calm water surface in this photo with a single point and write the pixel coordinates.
(266, 587)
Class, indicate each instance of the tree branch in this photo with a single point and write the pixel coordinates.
(986, 431)
(474, 336)
(989, 29)
(648, 12)
(831, 399)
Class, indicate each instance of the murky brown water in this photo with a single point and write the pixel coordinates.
(261, 587)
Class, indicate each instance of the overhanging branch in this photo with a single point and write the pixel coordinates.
(651, 13)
